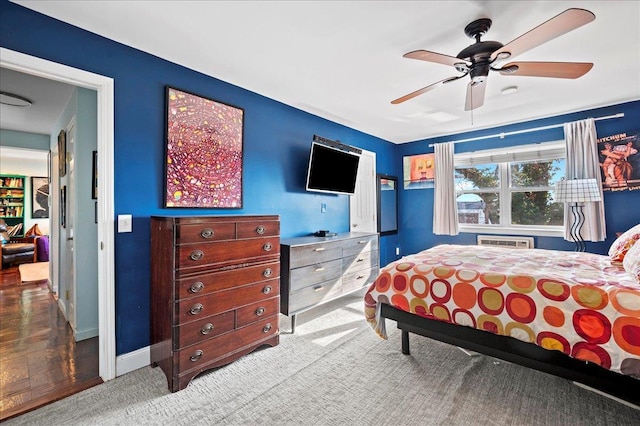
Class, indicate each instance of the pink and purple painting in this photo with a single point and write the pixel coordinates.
(203, 153)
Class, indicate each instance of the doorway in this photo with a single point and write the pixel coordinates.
(105, 206)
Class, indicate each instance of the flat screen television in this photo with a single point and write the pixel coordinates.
(332, 170)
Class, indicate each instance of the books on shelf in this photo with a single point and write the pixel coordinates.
(12, 182)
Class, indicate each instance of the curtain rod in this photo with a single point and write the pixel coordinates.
(535, 129)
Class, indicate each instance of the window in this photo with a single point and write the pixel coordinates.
(511, 192)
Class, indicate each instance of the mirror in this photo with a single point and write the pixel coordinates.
(387, 204)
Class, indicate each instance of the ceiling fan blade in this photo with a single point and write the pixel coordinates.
(475, 95)
(424, 90)
(547, 69)
(438, 58)
(560, 24)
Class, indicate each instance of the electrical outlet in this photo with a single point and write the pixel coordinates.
(124, 223)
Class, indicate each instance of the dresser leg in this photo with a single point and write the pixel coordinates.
(293, 324)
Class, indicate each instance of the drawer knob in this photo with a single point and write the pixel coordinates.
(196, 309)
(196, 355)
(360, 260)
(260, 230)
(318, 288)
(196, 287)
(207, 328)
(319, 269)
(267, 247)
(267, 289)
(196, 255)
(363, 242)
(266, 328)
(319, 249)
(206, 233)
(260, 311)
(267, 272)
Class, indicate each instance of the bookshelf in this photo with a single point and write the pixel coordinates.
(12, 190)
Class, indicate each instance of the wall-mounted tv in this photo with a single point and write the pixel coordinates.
(332, 169)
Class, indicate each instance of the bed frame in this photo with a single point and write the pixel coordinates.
(513, 350)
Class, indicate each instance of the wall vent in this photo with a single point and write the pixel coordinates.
(510, 242)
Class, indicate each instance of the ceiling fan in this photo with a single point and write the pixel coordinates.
(481, 57)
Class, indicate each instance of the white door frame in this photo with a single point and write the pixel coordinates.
(106, 271)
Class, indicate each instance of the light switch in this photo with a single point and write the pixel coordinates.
(124, 223)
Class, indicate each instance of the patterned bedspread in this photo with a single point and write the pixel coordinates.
(577, 303)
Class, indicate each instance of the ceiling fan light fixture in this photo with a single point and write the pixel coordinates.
(14, 100)
(508, 90)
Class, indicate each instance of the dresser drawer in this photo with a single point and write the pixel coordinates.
(314, 253)
(199, 285)
(226, 252)
(257, 229)
(364, 260)
(212, 349)
(203, 329)
(188, 310)
(205, 232)
(354, 246)
(314, 295)
(356, 280)
(315, 274)
(255, 311)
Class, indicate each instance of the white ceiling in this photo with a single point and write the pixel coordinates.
(49, 100)
(342, 60)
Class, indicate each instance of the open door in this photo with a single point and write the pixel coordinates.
(363, 203)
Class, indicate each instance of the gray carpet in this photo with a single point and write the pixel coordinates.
(334, 371)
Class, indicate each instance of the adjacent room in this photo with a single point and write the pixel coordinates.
(372, 212)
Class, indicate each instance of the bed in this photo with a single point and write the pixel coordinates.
(574, 315)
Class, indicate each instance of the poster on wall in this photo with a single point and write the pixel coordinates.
(620, 161)
(39, 197)
(419, 171)
(203, 152)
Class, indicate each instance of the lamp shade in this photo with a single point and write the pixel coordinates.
(577, 191)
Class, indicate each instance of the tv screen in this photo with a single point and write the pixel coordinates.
(332, 170)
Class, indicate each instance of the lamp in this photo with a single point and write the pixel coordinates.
(577, 192)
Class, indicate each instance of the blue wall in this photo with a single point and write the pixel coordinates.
(416, 206)
(277, 139)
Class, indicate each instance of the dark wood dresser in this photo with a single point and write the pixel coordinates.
(215, 291)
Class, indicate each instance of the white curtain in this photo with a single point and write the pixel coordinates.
(583, 163)
(445, 208)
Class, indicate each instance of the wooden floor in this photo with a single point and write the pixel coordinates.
(39, 361)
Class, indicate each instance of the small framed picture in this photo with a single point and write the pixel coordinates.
(94, 174)
(419, 171)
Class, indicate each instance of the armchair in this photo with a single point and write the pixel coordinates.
(16, 250)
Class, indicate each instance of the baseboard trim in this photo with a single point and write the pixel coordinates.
(131, 361)
(86, 334)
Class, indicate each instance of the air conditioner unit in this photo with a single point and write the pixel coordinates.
(510, 242)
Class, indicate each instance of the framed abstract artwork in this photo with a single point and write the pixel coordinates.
(204, 150)
(419, 171)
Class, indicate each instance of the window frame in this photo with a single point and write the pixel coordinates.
(518, 154)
